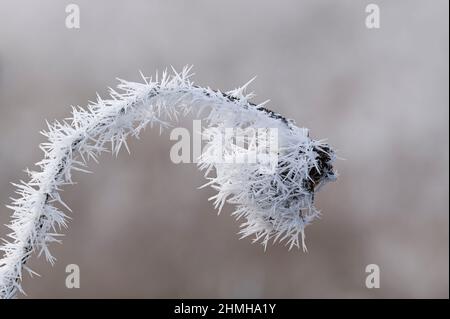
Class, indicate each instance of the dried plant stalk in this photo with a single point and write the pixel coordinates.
(275, 205)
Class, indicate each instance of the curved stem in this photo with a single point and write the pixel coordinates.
(36, 220)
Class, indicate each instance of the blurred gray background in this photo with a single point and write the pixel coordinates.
(140, 227)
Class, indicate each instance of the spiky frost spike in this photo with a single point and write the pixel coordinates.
(274, 205)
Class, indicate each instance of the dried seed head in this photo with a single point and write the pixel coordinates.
(273, 195)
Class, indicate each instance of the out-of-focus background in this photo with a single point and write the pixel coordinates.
(140, 227)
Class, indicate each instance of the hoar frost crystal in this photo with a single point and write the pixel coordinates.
(274, 204)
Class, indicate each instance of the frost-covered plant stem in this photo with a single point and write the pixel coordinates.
(277, 205)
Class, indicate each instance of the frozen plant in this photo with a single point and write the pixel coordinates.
(273, 204)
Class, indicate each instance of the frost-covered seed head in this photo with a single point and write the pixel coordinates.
(273, 201)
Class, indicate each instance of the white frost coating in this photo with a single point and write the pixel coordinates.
(274, 205)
